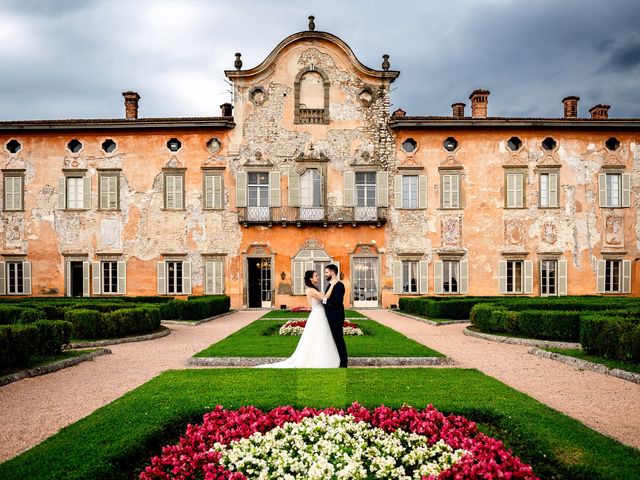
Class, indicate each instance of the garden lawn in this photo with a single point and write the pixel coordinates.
(39, 361)
(290, 314)
(117, 440)
(261, 339)
(607, 362)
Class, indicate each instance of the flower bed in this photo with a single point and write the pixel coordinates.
(357, 443)
(295, 327)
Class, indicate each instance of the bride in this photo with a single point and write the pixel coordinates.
(316, 348)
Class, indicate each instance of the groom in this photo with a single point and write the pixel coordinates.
(334, 309)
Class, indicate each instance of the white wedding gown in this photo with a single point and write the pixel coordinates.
(316, 348)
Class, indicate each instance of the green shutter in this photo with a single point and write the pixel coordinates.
(293, 189)
(397, 277)
(437, 277)
(97, 284)
(602, 265)
(26, 278)
(122, 278)
(349, 188)
(398, 190)
(186, 278)
(422, 191)
(626, 190)
(161, 278)
(274, 189)
(602, 190)
(502, 276)
(382, 189)
(423, 268)
(62, 191)
(562, 277)
(241, 189)
(626, 276)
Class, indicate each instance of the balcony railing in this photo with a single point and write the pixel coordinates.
(312, 115)
(312, 215)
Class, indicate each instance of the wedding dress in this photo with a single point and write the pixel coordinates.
(316, 348)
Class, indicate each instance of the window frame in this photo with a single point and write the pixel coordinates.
(410, 273)
(19, 280)
(109, 174)
(608, 282)
(174, 173)
(447, 263)
(544, 278)
(13, 174)
(213, 174)
(176, 284)
(411, 201)
(551, 202)
(513, 278)
(523, 196)
(457, 205)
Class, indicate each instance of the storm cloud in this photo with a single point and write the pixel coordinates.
(72, 59)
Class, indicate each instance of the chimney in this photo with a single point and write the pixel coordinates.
(458, 109)
(227, 109)
(570, 106)
(479, 102)
(131, 105)
(399, 113)
(599, 112)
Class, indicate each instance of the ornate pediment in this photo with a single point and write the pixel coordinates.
(613, 160)
(516, 161)
(450, 162)
(258, 160)
(410, 163)
(548, 161)
(366, 159)
(259, 249)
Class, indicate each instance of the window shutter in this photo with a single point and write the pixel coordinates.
(423, 268)
(397, 277)
(161, 277)
(422, 191)
(298, 279)
(398, 188)
(602, 265)
(274, 189)
(26, 278)
(519, 190)
(528, 276)
(18, 192)
(553, 190)
(209, 278)
(8, 194)
(122, 278)
(241, 189)
(169, 193)
(86, 191)
(95, 270)
(62, 190)
(437, 277)
(178, 192)
(464, 277)
(626, 276)
(626, 190)
(307, 266)
(86, 278)
(446, 191)
(602, 189)
(186, 278)
(103, 186)
(218, 277)
(67, 279)
(294, 188)
(382, 189)
(3, 284)
(502, 272)
(208, 191)
(562, 277)
(217, 192)
(349, 187)
(455, 191)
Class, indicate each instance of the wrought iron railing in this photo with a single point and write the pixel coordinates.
(311, 215)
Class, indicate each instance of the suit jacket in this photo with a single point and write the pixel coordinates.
(334, 307)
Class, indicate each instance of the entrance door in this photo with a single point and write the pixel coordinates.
(365, 282)
(76, 279)
(259, 282)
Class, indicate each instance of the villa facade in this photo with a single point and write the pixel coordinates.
(309, 167)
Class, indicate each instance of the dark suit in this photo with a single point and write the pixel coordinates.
(334, 309)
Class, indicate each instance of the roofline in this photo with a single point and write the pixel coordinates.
(312, 34)
(117, 124)
(496, 122)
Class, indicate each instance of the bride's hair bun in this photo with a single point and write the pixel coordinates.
(307, 279)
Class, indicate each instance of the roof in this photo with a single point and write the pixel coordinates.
(510, 122)
(116, 124)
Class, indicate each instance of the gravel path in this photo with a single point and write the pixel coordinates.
(36, 408)
(606, 404)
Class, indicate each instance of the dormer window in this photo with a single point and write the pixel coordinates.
(311, 97)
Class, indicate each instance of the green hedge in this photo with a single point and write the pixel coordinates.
(195, 308)
(612, 337)
(18, 343)
(91, 324)
(53, 335)
(12, 314)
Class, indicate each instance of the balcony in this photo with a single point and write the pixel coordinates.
(312, 115)
(300, 216)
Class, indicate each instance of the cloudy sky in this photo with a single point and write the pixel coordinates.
(73, 58)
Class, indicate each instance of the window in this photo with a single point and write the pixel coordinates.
(75, 192)
(411, 191)
(451, 276)
(214, 145)
(174, 144)
(614, 189)
(311, 188)
(548, 277)
(516, 276)
(13, 191)
(109, 146)
(213, 191)
(174, 277)
(257, 192)
(174, 191)
(365, 189)
(612, 144)
(311, 90)
(549, 143)
(548, 190)
(614, 276)
(409, 145)
(109, 188)
(450, 144)
(214, 277)
(109, 277)
(515, 190)
(13, 146)
(309, 259)
(74, 146)
(410, 277)
(514, 144)
(450, 191)
(15, 278)
(258, 186)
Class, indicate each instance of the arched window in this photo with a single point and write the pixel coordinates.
(309, 259)
(311, 96)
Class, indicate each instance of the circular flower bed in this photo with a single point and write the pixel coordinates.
(357, 443)
(295, 327)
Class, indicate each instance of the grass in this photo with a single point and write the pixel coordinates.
(261, 339)
(607, 362)
(39, 361)
(290, 314)
(117, 440)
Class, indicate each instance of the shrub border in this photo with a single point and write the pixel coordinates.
(528, 342)
(52, 367)
(353, 361)
(426, 320)
(586, 365)
(163, 332)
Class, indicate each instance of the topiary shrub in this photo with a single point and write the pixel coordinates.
(198, 308)
(53, 335)
(549, 325)
(612, 337)
(86, 323)
(17, 344)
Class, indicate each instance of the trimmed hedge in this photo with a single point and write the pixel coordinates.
(17, 344)
(53, 335)
(91, 324)
(612, 337)
(13, 314)
(195, 308)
